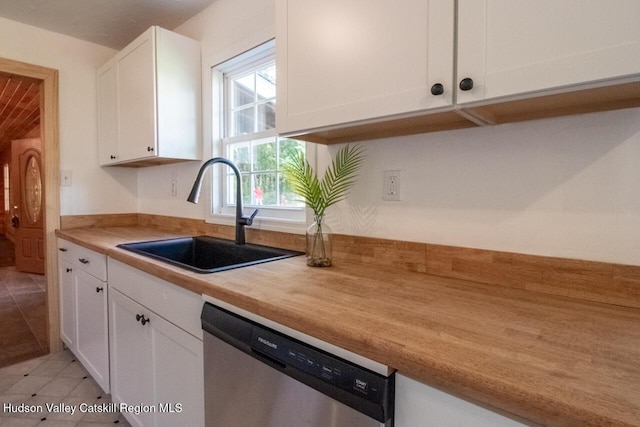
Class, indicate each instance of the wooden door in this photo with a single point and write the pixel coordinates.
(27, 204)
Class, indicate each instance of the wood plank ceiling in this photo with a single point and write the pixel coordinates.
(19, 107)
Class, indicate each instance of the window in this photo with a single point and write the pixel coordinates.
(245, 88)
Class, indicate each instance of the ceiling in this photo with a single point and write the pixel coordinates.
(112, 23)
(19, 107)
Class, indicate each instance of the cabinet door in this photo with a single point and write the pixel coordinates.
(136, 98)
(130, 348)
(515, 47)
(178, 375)
(178, 96)
(420, 405)
(92, 342)
(340, 62)
(67, 303)
(107, 116)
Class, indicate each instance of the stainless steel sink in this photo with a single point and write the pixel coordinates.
(204, 254)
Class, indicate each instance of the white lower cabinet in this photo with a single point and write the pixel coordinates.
(131, 373)
(417, 404)
(83, 308)
(92, 333)
(156, 365)
(67, 303)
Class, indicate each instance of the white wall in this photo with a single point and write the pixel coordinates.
(565, 187)
(93, 189)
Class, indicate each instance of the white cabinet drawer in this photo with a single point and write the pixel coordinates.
(87, 260)
(66, 250)
(179, 306)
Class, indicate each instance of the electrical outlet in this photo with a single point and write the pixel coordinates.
(391, 185)
(174, 187)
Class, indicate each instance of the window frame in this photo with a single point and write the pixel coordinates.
(287, 219)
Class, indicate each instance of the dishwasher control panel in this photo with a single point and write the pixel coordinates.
(319, 364)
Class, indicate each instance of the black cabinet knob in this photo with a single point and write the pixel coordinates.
(144, 320)
(69, 270)
(437, 89)
(112, 157)
(84, 261)
(149, 148)
(466, 84)
(63, 249)
(99, 289)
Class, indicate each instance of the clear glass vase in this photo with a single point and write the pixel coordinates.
(319, 244)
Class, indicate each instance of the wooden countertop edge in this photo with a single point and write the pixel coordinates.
(522, 403)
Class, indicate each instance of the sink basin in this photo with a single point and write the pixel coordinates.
(204, 254)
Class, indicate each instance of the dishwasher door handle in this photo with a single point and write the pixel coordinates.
(274, 363)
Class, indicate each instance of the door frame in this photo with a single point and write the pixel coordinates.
(49, 119)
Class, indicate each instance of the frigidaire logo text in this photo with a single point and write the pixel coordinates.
(268, 343)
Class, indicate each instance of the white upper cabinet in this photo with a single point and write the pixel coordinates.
(519, 48)
(356, 70)
(136, 98)
(149, 101)
(341, 62)
(107, 113)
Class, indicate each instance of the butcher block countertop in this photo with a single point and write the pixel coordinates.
(548, 359)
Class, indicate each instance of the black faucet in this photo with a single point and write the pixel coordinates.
(241, 220)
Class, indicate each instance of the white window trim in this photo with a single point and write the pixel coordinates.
(215, 188)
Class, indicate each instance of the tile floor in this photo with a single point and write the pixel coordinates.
(53, 379)
(23, 316)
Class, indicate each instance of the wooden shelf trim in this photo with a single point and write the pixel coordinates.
(577, 101)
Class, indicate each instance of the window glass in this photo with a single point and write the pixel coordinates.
(253, 106)
(260, 162)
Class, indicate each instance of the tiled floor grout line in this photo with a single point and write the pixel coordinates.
(46, 343)
(34, 284)
(24, 317)
(53, 384)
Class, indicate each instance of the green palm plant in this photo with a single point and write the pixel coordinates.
(319, 194)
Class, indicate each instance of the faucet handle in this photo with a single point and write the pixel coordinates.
(249, 220)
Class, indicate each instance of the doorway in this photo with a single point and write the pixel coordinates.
(47, 82)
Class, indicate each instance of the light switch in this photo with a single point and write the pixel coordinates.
(65, 178)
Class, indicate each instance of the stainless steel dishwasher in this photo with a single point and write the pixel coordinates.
(258, 377)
